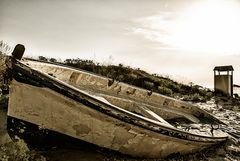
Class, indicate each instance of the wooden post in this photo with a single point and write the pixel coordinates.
(18, 51)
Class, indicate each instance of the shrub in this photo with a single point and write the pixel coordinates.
(42, 58)
(165, 91)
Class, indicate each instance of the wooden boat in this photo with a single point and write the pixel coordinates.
(106, 113)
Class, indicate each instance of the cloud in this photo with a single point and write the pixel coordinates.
(206, 27)
(156, 28)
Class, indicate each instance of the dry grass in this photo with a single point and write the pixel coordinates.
(5, 49)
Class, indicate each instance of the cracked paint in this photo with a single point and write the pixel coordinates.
(91, 120)
(81, 129)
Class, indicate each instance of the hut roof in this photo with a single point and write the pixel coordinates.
(224, 68)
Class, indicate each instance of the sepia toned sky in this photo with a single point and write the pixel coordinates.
(184, 39)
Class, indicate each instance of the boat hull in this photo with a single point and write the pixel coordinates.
(54, 111)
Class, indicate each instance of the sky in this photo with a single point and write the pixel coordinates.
(182, 39)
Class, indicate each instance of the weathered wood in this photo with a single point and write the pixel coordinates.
(52, 97)
(18, 51)
(58, 113)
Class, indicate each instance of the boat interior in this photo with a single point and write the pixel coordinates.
(168, 111)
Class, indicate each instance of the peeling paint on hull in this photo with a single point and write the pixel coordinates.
(51, 110)
(58, 107)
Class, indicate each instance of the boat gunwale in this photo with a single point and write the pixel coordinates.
(130, 85)
(89, 72)
(70, 92)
